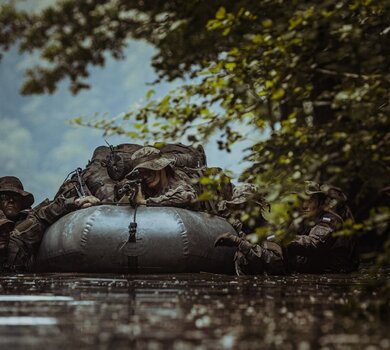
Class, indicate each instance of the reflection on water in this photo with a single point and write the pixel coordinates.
(189, 311)
(27, 321)
(22, 298)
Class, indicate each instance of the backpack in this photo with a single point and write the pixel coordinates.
(185, 156)
(96, 176)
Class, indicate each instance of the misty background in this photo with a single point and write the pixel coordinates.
(37, 142)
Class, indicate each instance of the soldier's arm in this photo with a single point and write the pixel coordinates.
(63, 203)
(320, 237)
(27, 235)
(181, 195)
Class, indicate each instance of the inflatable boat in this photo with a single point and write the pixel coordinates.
(164, 240)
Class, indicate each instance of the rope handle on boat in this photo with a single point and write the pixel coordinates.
(133, 226)
(132, 229)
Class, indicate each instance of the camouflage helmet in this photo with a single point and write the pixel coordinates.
(14, 185)
(150, 158)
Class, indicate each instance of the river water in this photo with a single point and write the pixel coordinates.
(187, 311)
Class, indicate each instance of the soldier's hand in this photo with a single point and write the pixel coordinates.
(227, 240)
(140, 197)
(87, 201)
(124, 199)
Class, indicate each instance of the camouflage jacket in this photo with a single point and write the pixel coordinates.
(178, 192)
(317, 249)
(314, 249)
(27, 234)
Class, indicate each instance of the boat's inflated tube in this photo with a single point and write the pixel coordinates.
(167, 239)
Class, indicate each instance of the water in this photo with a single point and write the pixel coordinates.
(188, 311)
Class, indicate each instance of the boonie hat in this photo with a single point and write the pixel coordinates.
(150, 158)
(14, 185)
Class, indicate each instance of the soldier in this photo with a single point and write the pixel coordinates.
(27, 234)
(109, 165)
(244, 198)
(314, 248)
(162, 183)
(15, 203)
(6, 226)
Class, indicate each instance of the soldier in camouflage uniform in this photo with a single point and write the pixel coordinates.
(314, 248)
(162, 183)
(244, 198)
(15, 204)
(27, 234)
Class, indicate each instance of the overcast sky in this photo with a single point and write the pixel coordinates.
(38, 145)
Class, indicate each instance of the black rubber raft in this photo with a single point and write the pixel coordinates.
(167, 240)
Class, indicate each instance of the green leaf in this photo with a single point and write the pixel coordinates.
(230, 66)
(278, 94)
(150, 93)
(267, 23)
(165, 102)
(221, 13)
(132, 134)
(226, 31)
(77, 121)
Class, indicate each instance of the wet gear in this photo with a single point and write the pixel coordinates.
(118, 160)
(96, 177)
(185, 156)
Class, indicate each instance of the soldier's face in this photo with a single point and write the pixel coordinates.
(11, 204)
(310, 207)
(152, 178)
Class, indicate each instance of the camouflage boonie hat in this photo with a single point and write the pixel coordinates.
(14, 185)
(312, 187)
(334, 195)
(150, 158)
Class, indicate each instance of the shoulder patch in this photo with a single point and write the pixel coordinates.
(330, 219)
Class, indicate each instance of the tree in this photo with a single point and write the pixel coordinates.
(313, 75)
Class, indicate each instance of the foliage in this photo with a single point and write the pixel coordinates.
(312, 76)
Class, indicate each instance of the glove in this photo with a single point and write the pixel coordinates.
(227, 240)
(87, 201)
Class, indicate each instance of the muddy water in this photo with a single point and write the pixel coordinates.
(189, 311)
